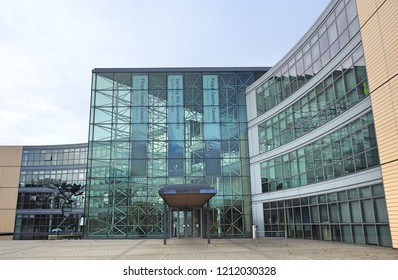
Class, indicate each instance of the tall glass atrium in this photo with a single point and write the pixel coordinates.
(155, 127)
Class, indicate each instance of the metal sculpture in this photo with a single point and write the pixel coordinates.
(67, 195)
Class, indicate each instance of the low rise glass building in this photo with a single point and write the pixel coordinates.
(45, 203)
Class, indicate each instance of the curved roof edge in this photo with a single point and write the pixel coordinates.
(315, 26)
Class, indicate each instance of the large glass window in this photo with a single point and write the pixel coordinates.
(322, 46)
(336, 154)
(43, 169)
(155, 128)
(358, 215)
(337, 93)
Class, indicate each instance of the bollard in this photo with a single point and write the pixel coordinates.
(254, 230)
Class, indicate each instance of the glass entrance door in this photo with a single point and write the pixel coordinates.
(186, 223)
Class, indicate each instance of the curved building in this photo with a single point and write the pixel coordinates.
(305, 149)
(314, 158)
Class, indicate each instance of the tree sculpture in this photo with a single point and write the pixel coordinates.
(67, 195)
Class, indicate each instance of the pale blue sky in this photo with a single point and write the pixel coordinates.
(49, 47)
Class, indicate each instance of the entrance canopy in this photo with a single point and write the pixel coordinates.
(186, 195)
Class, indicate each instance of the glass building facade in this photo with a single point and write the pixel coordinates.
(332, 35)
(292, 149)
(156, 127)
(357, 215)
(314, 158)
(332, 96)
(39, 204)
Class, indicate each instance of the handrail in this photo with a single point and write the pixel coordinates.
(255, 233)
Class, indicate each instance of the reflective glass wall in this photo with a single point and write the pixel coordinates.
(333, 34)
(350, 149)
(154, 127)
(337, 93)
(357, 215)
(314, 142)
(40, 206)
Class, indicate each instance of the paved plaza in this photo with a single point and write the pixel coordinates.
(190, 249)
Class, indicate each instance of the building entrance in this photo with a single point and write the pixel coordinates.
(184, 210)
(186, 223)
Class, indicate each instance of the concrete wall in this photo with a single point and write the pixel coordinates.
(379, 29)
(10, 166)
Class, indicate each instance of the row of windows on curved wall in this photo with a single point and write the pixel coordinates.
(333, 34)
(44, 200)
(357, 215)
(340, 91)
(350, 149)
(37, 226)
(46, 157)
(42, 178)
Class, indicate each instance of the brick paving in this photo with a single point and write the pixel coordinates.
(190, 249)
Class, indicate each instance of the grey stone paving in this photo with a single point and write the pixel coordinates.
(190, 249)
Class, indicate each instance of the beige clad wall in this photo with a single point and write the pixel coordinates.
(10, 166)
(379, 30)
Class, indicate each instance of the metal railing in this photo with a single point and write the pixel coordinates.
(273, 233)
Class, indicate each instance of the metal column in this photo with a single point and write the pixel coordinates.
(165, 214)
(208, 222)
